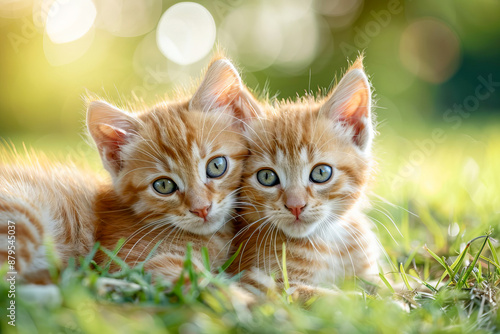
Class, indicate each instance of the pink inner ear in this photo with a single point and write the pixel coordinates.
(356, 124)
(228, 96)
(111, 132)
(112, 153)
(112, 141)
(226, 87)
(353, 112)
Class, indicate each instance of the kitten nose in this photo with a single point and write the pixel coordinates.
(296, 210)
(202, 212)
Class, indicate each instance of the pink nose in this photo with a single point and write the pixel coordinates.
(296, 210)
(202, 212)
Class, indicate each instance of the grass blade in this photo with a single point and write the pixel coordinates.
(441, 262)
(205, 257)
(386, 282)
(434, 255)
(188, 266)
(448, 269)
(113, 258)
(430, 287)
(405, 278)
(471, 266)
(285, 273)
(90, 256)
(112, 254)
(152, 252)
(410, 258)
(489, 261)
(141, 264)
(457, 264)
(494, 254)
(231, 259)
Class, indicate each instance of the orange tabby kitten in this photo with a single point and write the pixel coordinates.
(304, 184)
(175, 170)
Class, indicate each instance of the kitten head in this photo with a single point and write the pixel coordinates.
(310, 160)
(179, 163)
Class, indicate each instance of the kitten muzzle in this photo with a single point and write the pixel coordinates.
(296, 210)
(202, 212)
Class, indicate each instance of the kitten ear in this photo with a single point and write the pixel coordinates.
(222, 89)
(110, 128)
(350, 105)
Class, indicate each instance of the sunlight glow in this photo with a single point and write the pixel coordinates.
(14, 8)
(186, 33)
(68, 21)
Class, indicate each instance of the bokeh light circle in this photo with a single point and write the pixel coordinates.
(68, 21)
(128, 18)
(285, 35)
(186, 33)
(341, 13)
(430, 50)
(253, 34)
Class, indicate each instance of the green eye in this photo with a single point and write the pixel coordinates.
(164, 186)
(321, 173)
(216, 167)
(267, 177)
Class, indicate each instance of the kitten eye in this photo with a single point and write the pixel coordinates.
(267, 177)
(164, 186)
(321, 173)
(216, 167)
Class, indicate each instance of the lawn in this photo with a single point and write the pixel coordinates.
(432, 195)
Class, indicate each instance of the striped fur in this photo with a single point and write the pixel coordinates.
(45, 200)
(331, 239)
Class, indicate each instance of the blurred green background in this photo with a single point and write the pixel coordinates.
(434, 66)
(423, 56)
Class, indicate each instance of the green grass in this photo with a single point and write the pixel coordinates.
(438, 224)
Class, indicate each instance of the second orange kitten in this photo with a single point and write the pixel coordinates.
(304, 185)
